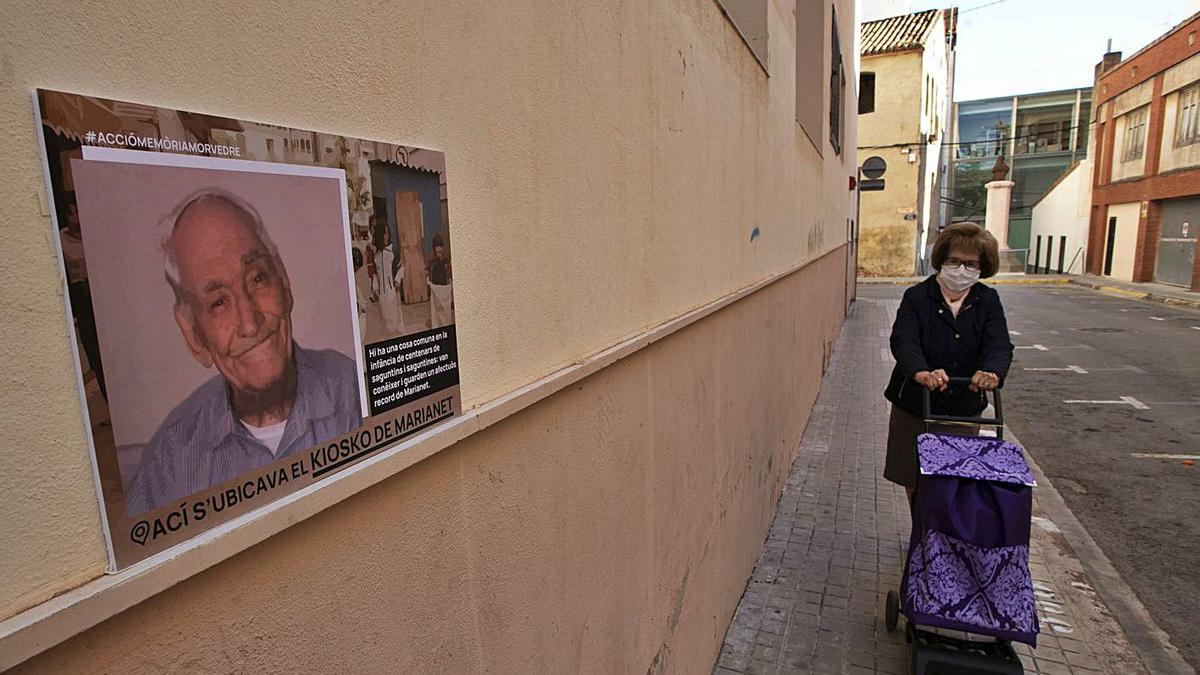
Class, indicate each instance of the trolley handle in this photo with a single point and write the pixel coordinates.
(997, 421)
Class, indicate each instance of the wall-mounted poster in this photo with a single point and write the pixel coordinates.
(254, 308)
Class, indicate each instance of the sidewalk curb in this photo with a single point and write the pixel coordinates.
(1151, 642)
(1137, 295)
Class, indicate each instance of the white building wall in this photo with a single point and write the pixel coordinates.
(1063, 212)
(1125, 243)
(934, 126)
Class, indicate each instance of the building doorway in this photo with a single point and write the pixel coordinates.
(1108, 248)
(1177, 242)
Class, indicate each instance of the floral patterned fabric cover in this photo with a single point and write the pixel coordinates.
(968, 557)
(973, 457)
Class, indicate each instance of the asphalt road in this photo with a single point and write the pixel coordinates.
(1143, 359)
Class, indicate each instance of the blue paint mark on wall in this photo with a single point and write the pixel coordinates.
(754, 234)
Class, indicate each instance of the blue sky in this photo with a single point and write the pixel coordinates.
(1024, 46)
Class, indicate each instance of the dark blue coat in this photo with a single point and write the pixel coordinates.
(927, 336)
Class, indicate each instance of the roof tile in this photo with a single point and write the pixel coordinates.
(897, 33)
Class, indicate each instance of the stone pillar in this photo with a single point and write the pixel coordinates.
(999, 197)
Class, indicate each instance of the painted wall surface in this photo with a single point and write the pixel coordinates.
(911, 94)
(1173, 156)
(607, 163)
(887, 241)
(1125, 244)
(1133, 98)
(1182, 74)
(1064, 211)
(898, 99)
(934, 126)
(598, 531)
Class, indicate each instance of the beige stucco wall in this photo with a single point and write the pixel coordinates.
(887, 241)
(1134, 98)
(911, 91)
(1171, 156)
(613, 522)
(898, 99)
(1125, 243)
(1181, 74)
(1063, 211)
(607, 163)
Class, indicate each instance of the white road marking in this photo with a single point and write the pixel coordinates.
(1135, 403)
(1073, 369)
(1157, 318)
(1148, 455)
(1013, 332)
(1124, 400)
(1131, 369)
(1040, 348)
(1195, 327)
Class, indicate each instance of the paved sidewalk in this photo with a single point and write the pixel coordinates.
(815, 600)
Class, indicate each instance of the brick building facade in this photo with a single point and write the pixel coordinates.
(1146, 169)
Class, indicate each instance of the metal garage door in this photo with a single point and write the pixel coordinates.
(1177, 243)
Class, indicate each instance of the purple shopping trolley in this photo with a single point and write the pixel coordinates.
(968, 557)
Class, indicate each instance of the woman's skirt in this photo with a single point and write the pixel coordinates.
(901, 466)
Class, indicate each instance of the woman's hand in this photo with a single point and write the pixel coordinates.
(984, 381)
(937, 380)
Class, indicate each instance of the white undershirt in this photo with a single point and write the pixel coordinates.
(955, 305)
(269, 435)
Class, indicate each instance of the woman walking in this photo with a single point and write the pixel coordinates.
(949, 325)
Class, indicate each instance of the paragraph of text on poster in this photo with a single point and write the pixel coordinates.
(407, 368)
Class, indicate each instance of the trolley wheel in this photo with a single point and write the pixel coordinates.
(892, 611)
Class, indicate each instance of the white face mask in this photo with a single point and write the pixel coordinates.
(957, 280)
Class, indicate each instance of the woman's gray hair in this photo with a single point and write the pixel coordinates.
(170, 254)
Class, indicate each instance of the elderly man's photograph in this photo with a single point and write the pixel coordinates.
(269, 397)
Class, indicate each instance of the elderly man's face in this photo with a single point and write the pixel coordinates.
(240, 302)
